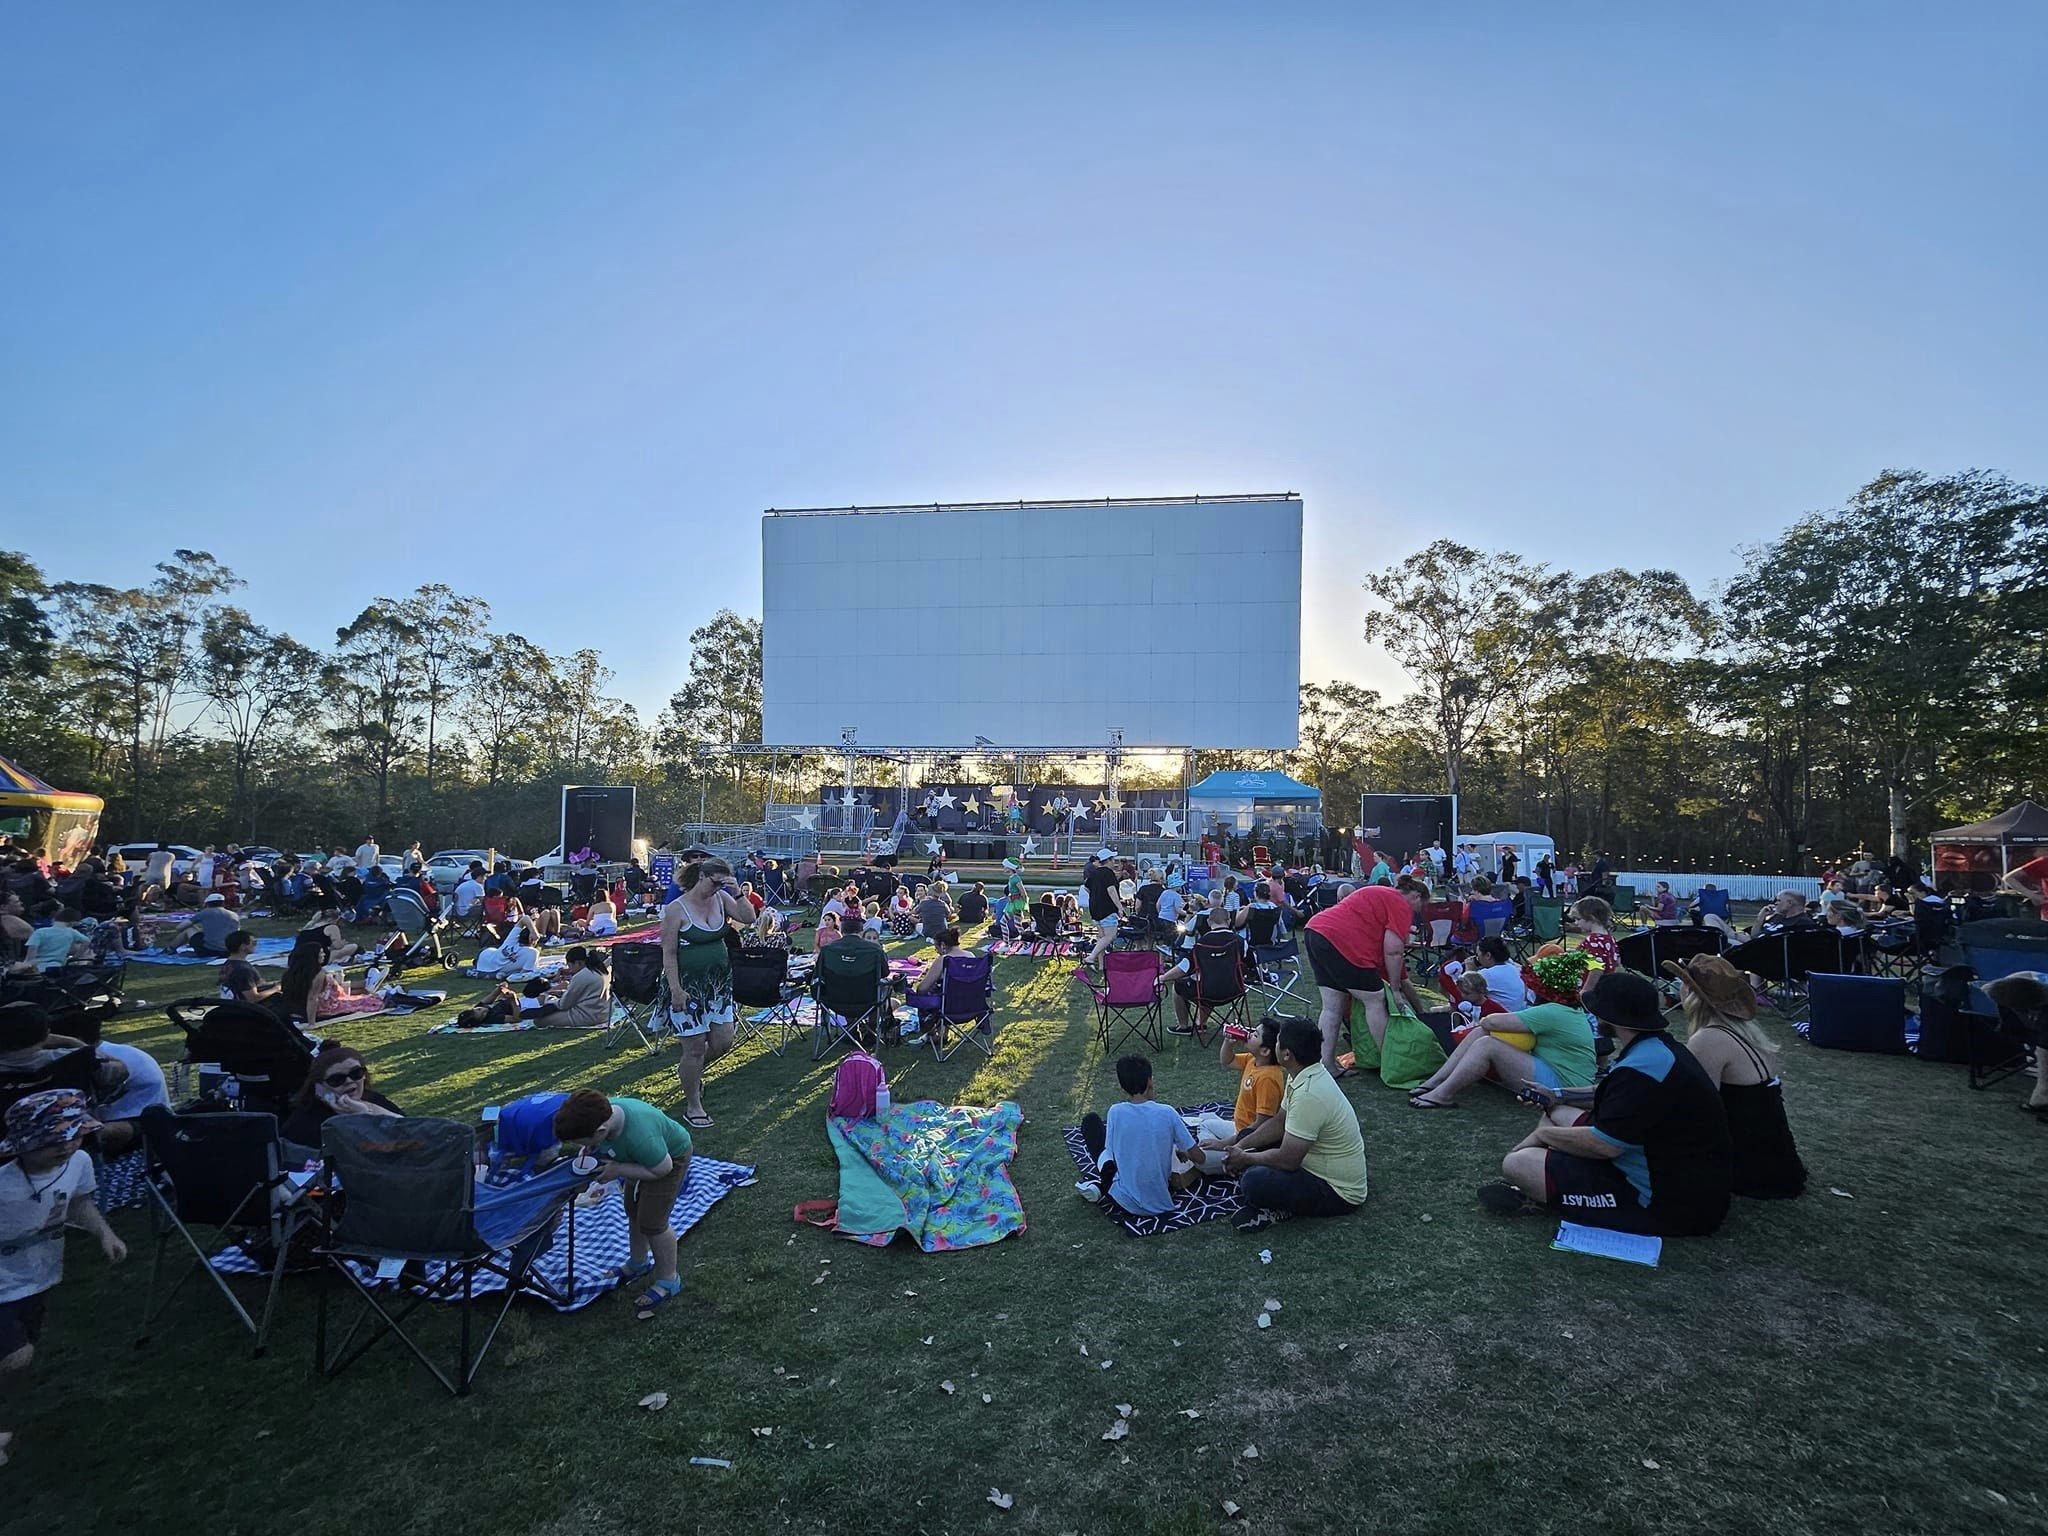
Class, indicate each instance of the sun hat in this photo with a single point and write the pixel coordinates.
(1724, 989)
(214, 899)
(47, 1119)
(1624, 999)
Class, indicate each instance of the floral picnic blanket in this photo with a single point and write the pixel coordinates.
(939, 1172)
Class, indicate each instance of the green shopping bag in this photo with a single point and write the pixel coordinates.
(1411, 1053)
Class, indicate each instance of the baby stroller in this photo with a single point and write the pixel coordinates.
(258, 1053)
(421, 931)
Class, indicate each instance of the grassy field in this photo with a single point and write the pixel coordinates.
(1864, 1361)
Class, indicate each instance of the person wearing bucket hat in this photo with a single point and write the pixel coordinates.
(47, 1185)
(1719, 1005)
(1653, 1154)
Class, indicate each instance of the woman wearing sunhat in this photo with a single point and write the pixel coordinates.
(1652, 1156)
(1720, 1012)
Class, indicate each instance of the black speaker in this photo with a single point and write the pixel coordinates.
(999, 848)
(599, 818)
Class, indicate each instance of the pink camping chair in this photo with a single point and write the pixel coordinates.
(1129, 996)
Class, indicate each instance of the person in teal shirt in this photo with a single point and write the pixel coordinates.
(639, 1144)
(1562, 1055)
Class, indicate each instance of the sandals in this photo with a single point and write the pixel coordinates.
(626, 1274)
(1417, 1101)
(655, 1297)
(698, 1122)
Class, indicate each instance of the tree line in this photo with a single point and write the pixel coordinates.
(1873, 672)
(418, 719)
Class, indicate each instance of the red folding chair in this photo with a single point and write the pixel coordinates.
(1129, 997)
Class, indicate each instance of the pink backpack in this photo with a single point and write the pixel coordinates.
(854, 1083)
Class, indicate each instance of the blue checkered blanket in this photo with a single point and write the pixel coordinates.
(599, 1234)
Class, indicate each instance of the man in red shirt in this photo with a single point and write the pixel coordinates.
(1355, 949)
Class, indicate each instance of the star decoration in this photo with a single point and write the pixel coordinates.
(1080, 811)
(1101, 802)
(807, 819)
(932, 845)
(1030, 846)
(1169, 825)
(944, 800)
(972, 806)
(826, 800)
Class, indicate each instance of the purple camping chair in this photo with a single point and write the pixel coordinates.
(966, 1012)
(1129, 996)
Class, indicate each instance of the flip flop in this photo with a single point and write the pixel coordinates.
(1419, 1102)
(698, 1122)
(626, 1274)
(654, 1298)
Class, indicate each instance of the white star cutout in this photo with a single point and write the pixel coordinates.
(1079, 811)
(943, 800)
(807, 819)
(1030, 846)
(1169, 825)
(932, 845)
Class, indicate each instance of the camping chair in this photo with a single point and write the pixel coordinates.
(412, 1200)
(1129, 994)
(761, 989)
(1274, 975)
(1623, 899)
(263, 1055)
(967, 1007)
(78, 998)
(1713, 903)
(2001, 1038)
(1217, 975)
(1546, 926)
(1647, 950)
(220, 1171)
(850, 982)
(639, 992)
(1434, 928)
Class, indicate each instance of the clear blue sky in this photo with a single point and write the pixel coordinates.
(549, 301)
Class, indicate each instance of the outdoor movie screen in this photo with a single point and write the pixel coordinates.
(1035, 624)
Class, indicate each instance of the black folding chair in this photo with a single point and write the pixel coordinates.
(850, 983)
(220, 1171)
(77, 1070)
(1647, 949)
(1218, 981)
(641, 987)
(410, 1210)
(766, 999)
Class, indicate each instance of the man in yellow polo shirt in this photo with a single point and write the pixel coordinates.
(1314, 1160)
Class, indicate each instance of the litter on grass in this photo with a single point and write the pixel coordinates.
(654, 1402)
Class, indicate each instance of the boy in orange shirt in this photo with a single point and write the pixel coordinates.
(1260, 1084)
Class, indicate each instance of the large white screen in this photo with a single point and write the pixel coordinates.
(1037, 625)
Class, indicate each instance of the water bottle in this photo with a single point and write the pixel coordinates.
(881, 1099)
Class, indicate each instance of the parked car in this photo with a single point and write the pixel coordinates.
(183, 855)
(449, 866)
(263, 854)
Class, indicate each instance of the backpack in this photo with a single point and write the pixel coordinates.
(854, 1082)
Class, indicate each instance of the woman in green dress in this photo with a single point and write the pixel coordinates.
(698, 966)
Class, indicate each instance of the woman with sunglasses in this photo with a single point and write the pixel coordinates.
(338, 1084)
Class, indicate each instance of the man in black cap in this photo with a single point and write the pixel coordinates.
(1652, 1156)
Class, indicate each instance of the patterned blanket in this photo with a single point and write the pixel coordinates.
(1038, 949)
(265, 952)
(940, 1172)
(1207, 1201)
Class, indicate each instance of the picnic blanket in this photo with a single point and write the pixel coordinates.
(120, 1182)
(1037, 949)
(1208, 1200)
(599, 1233)
(265, 952)
(548, 966)
(937, 1171)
